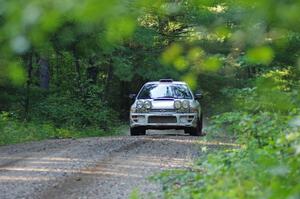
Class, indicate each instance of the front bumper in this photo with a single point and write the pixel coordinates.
(163, 120)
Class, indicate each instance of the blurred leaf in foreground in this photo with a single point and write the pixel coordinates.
(260, 55)
(171, 54)
(120, 29)
(181, 63)
(191, 80)
(211, 64)
(16, 74)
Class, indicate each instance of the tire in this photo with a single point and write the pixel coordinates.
(196, 131)
(135, 131)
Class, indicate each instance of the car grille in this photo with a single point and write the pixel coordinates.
(162, 110)
(162, 119)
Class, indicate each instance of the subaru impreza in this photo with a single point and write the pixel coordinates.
(166, 104)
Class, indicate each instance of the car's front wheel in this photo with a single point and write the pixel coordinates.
(195, 131)
(134, 131)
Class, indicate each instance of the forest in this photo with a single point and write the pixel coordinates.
(68, 67)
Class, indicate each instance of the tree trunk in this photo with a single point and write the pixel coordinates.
(44, 73)
(77, 64)
(58, 62)
(108, 80)
(92, 72)
(77, 70)
(28, 84)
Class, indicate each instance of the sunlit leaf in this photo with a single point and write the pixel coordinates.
(195, 54)
(120, 29)
(16, 74)
(171, 53)
(191, 80)
(51, 21)
(211, 64)
(222, 32)
(260, 55)
(180, 63)
(94, 10)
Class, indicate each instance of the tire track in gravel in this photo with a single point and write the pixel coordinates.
(128, 168)
(77, 186)
(28, 169)
(109, 167)
(26, 151)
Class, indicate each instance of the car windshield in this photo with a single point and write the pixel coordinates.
(161, 91)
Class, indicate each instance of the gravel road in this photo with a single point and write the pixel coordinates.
(107, 167)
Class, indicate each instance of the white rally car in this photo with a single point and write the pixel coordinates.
(166, 104)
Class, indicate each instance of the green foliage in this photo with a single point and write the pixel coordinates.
(63, 110)
(266, 163)
(14, 131)
(260, 55)
(244, 173)
(123, 68)
(135, 194)
(265, 166)
(258, 129)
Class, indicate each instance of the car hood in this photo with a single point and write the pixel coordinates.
(162, 104)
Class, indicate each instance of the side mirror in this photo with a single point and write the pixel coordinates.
(132, 96)
(198, 96)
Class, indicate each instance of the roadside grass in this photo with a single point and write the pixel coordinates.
(188, 183)
(266, 165)
(13, 131)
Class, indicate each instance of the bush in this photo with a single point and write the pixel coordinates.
(265, 166)
(261, 128)
(266, 124)
(71, 111)
(15, 131)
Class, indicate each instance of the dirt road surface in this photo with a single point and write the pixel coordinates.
(107, 167)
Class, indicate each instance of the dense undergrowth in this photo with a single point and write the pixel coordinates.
(65, 112)
(56, 117)
(15, 131)
(266, 165)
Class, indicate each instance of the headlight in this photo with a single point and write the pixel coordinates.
(186, 104)
(177, 104)
(147, 104)
(139, 104)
